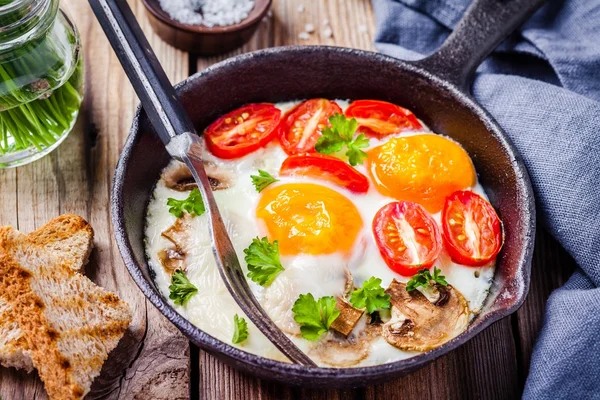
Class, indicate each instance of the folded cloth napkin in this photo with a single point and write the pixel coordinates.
(543, 87)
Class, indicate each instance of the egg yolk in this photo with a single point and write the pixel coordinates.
(424, 169)
(307, 218)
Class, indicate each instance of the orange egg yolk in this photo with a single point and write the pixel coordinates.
(307, 218)
(424, 169)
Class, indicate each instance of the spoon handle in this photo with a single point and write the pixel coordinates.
(176, 130)
(148, 78)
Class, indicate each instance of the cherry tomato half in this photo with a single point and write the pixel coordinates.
(380, 118)
(243, 131)
(471, 229)
(302, 125)
(326, 167)
(408, 238)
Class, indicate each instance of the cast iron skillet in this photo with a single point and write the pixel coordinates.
(436, 89)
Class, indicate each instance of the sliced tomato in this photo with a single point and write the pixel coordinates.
(243, 131)
(302, 125)
(408, 238)
(471, 228)
(326, 167)
(380, 118)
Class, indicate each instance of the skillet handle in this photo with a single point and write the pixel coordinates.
(485, 24)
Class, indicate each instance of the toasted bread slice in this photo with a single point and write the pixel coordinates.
(58, 320)
(68, 236)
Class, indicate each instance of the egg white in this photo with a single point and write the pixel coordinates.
(212, 308)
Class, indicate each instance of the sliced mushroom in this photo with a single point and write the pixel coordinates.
(436, 294)
(177, 176)
(342, 352)
(417, 324)
(179, 233)
(172, 260)
(349, 283)
(349, 317)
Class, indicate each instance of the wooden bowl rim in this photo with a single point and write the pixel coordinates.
(256, 14)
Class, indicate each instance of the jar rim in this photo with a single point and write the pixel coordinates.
(23, 20)
(16, 4)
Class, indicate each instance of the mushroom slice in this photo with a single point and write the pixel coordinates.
(338, 351)
(349, 283)
(349, 317)
(179, 233)
(417, 324)
(172, 260)
(177, 176)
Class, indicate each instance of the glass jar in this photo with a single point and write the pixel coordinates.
(41, 79)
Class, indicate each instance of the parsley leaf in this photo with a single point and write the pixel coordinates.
(263, 261)
(354, 153)
(371, 296)
(343, 126)
(193, 205)
(314, 317)
(424, 278)
(262, 180)
(240, 330)
(181, 288)
(340, 134)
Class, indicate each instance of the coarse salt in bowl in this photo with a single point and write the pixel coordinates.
(208, 12)
(206, 27)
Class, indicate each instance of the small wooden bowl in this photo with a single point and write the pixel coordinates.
(202, 40)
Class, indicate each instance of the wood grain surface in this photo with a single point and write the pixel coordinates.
(154, 361)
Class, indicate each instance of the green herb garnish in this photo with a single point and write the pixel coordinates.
(314, 317)
(262, 180)
(341, 134)
(424, 278)
(240, 330)
(371, 296)
(193, 205)
(181, 288)
(263, 261)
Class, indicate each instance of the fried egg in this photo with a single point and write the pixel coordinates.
(324, 233)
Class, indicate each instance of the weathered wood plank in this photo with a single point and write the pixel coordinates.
(551, 267)
(151, 341)
(152, 361)
(220, 381)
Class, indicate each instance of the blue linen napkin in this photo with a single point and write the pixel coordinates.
(543, 87)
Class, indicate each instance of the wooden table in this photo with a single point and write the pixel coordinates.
(154, 361)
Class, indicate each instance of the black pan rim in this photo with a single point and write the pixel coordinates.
(344, 376)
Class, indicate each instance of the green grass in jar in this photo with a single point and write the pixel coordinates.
(40, 123)
(36, 114)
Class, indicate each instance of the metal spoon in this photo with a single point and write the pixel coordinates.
(175, 129)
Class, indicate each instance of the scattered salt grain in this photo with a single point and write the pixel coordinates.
(327, 32)
(301, 8)
(208, 12)
(362, 28)
(325, 22)
(309, 28)
(303, 36)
